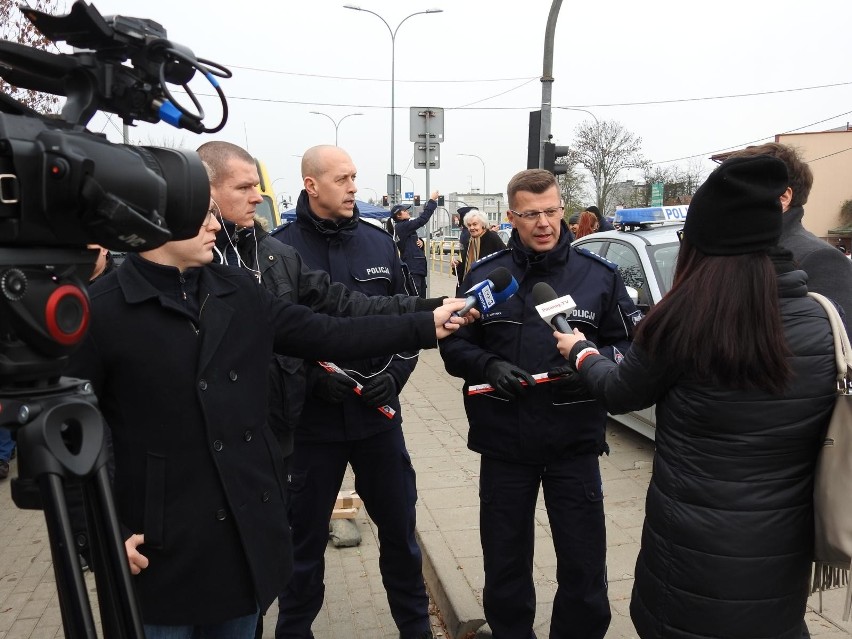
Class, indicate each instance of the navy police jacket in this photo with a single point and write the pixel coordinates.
(405, 234)
(537, 428)
(363, 258)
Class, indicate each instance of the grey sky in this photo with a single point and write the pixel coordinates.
(651, 66)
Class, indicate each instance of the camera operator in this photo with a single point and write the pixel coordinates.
(199, 483)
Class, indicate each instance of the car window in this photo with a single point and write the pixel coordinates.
(664, 257)
(594, 247)
(630, 268)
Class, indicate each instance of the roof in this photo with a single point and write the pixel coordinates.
(365, 209)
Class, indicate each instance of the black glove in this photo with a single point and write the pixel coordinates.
(567, 386)
(333, 387)
(379, 390)
(506, 378)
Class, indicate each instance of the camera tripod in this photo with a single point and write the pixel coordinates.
(61, 439)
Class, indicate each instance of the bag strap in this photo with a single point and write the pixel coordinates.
(842, 348)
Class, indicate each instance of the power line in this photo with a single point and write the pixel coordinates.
(343, 77)
(743, 144)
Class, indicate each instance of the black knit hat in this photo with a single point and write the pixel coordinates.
(574, 219)
(737, 210)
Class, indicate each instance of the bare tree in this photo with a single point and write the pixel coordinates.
(15, 27)
(679, 182)
(573, 187)
(604, 149)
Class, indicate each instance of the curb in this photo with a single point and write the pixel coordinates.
(461, 612)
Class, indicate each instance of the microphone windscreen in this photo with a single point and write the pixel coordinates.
(500, 277)
(542, 293)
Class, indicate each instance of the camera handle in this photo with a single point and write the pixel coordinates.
(61, 437)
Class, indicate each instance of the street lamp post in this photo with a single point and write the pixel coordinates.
(393, 72)
(471, 155)
(337, 123)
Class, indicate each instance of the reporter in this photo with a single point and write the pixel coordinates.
(740, 363)
(198, 474)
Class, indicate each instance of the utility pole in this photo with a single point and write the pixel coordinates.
(547, 78)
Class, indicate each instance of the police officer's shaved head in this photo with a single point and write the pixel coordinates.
(317, 159)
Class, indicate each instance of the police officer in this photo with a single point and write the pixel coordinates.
(404, 230)
(545, 434)
(339, 427)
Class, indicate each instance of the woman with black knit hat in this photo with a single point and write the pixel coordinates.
(740, 362)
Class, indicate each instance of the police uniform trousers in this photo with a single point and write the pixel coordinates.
(573, 497)
(385, 481)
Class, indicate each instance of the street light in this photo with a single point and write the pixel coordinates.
(579, 109)
(471, 155)
(393, 70)
(336, 124)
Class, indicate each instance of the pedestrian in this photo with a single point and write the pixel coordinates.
(603, 223)
(464, 238)
(540, 435)
(573, 224)
(586, 225)
(740, 363)
(338, 427)
(198, 475)
(482, 241)
(828, 274)
(403, 228)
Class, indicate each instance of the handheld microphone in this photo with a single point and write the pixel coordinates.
(496, 289)
(553, 310)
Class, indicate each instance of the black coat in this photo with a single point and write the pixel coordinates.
(489, 242)
(728, 536)
(197, 470)
(285, 275)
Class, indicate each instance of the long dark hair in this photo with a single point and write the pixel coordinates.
(722, 320)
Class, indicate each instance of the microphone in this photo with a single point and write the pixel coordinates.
(553, 310)
(499, 287)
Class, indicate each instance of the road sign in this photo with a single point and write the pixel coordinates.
(421, 155)
(657, 194)
(419, 124)
(409, 195)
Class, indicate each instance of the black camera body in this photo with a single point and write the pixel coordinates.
(62, 187)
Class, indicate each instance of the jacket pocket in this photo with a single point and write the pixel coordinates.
(155, 501)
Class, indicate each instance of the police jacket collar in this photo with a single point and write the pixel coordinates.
(305, 215)
(237, 236)
(526, 258)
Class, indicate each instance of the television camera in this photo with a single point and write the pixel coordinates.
(62, 188)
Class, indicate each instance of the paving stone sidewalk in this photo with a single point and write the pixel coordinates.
(447, 477)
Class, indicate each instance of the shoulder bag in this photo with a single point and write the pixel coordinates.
(833, 478)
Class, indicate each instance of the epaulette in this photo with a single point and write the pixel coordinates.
(488, 258)
(280, 227)
(587, 253)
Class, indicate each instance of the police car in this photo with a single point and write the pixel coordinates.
(645, 250)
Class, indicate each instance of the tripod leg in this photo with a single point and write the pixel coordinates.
(77, 619)
(119, 608)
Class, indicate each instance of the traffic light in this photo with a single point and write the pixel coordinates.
(534, 141)
(416, 200)
(551, 152)
(440, 200)
(384, 200)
